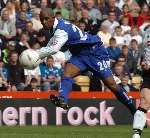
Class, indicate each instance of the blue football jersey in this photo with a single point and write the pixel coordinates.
(75, 36)
(78, 42)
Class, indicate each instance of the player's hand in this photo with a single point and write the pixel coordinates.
(145, 66)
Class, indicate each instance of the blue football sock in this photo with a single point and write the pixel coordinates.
(124, 98)
(65, 87)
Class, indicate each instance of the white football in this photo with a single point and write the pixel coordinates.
(29, 59)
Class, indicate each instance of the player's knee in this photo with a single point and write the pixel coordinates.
(71, 71)
(111, 84)
(69, 74)
(113, 88)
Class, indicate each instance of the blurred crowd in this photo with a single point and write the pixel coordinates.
(119, 23)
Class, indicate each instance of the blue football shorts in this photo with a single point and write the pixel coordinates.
(100, 66)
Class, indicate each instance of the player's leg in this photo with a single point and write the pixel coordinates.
(101, 67)
(140, 115)
(72, 69)
(119, 92)
(65, 86)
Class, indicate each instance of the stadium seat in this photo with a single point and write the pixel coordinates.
(83, 82)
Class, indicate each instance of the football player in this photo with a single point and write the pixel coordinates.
(88, 53)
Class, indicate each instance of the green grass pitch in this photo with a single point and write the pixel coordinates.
(69, 132)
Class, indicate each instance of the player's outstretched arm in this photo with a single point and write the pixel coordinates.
(54, 45)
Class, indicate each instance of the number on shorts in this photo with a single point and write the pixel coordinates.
(102, 65)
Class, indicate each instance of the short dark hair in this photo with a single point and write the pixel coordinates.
(50, 57)
(134, 40)
(112, 39)
(58, 13)
(125, 47)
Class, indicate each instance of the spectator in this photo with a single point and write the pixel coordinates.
(33, 86)
(45, 4)
(85, 18)
(82, 25)
(21, 21)
(104, 34)
(136, 35)
(68, 4)
(10, 6)
(93, 12)
(133, 35)
(144, 15)
(31, 32)
(125, 25)
(36, 20)
(134, 10)
(15, 72)
(7, 26)
(122, 62)
(95, 16)
(75, 13)
(61, 8)
(129, 60)
(136, 54)
(125, 83)
(118, 71)
(23, 43)
(118, 35)
(113, 50)
(25, 7)
(111, 7)
(50, 75)
(10, 47)
(91, 25)
(111, 22)
(126, 13)
(58, 15)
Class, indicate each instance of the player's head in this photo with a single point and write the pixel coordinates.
(47, 18)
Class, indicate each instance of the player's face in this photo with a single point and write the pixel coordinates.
(46, 21)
